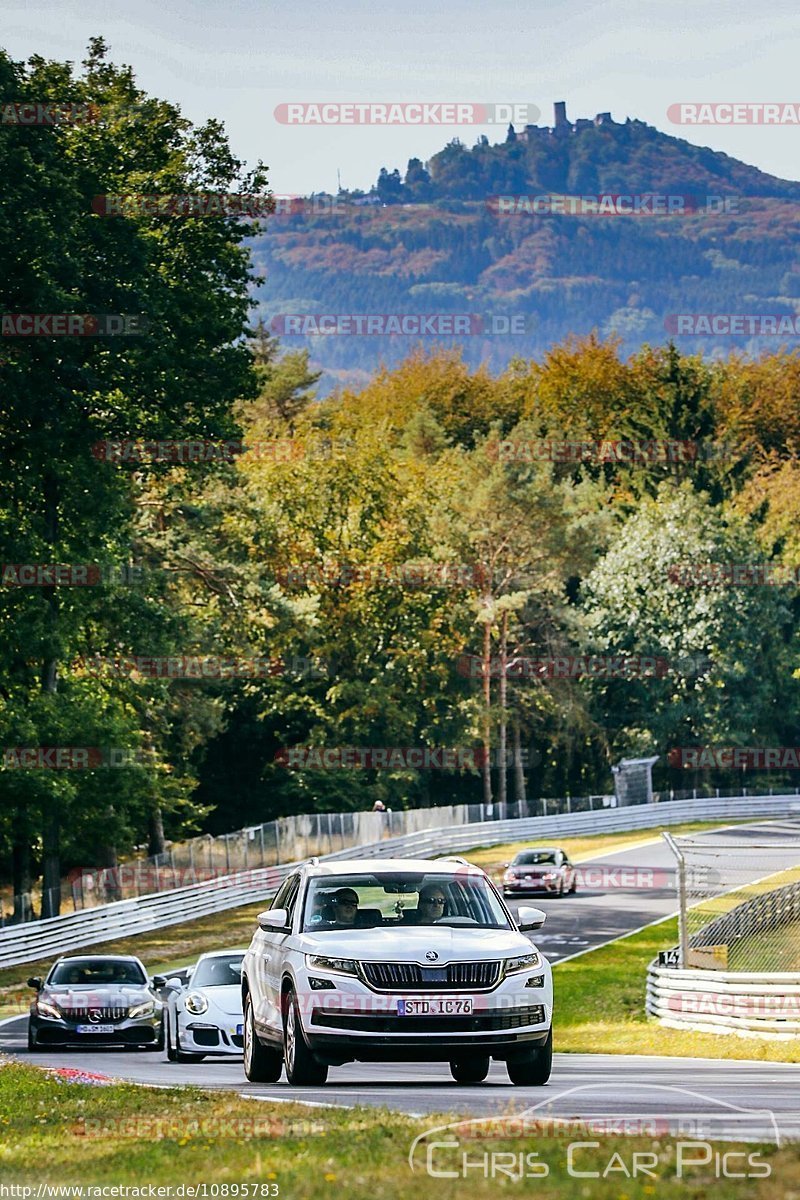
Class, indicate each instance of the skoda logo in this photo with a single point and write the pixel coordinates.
(431, 955)
(94, 1015)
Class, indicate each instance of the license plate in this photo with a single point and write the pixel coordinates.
(240, 1030)
(95, 1029)
(434, 1008)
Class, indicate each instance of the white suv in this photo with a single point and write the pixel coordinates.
(395, 960)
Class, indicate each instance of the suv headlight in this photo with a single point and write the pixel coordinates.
(45, 1009)
(343, 966)
(196, 1003)
(146, 1009)
(522, 963)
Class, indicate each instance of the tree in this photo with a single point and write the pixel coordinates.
(729, 651)
(188, 280)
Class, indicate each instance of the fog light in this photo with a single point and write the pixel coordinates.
(535, 981)
(320, 985)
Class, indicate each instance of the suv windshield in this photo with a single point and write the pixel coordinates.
(223, 970)
(93, 972)
(533, 857)
(393, 900)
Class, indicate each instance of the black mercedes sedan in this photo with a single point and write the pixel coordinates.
(102, 999)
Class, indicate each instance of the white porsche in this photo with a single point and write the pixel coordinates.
(203, 1014)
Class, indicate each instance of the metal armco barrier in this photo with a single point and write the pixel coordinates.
(55, 935)
(765, 1003)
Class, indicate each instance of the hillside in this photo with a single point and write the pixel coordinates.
(433, 241)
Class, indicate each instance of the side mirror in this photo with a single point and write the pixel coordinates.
(530, 918)
(274, 918)
(174, 983)
(158, 981)
(35, 982)
(505, 866)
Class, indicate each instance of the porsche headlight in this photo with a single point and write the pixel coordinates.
(196, 1003)
(146, 1009)
(45, 1009)
(343, 966)
(524, 962)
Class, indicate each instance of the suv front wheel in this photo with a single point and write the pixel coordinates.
(261, 1064)
(532, 1069)
(472, 1069)
(301, 1065)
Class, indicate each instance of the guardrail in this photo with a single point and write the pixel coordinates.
(764, 1003)
(761, 1002)
(54, 935)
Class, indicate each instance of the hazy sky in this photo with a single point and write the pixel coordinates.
(238, 60)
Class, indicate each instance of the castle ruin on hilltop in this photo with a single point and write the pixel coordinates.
(562, 127)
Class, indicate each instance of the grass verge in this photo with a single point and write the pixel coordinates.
(65, 1133)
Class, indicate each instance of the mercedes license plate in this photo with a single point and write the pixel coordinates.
(450, 1006)
(95, 1029)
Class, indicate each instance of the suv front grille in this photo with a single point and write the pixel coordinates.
(104, 1015)
(388, 977)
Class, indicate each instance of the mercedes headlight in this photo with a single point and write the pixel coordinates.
(45, 1009)
(523, 962)
(146, 1009)
(343, 966)
(196, 1003)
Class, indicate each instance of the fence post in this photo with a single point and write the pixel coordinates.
(683, 937)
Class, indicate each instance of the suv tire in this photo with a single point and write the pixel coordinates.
(302, 1067)
(533, 1068)
(261, 1063)
(470, 1070)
